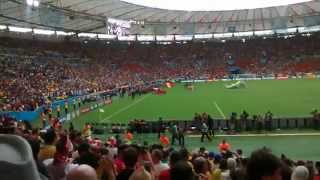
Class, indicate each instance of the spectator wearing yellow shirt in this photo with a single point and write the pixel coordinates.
(49, 148)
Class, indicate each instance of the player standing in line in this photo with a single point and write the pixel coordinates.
(174, 133)
(204, 131)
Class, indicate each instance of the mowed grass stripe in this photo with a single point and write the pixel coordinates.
(285, 98)
(124, 108)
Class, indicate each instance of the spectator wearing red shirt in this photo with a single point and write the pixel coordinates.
(317, 175)
(175, 157)
(224, 146)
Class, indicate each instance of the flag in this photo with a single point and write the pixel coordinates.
(101, 110)
(169, 84)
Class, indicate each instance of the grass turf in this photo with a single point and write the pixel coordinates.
(285, 98)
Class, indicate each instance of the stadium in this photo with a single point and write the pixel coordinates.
(159, 89)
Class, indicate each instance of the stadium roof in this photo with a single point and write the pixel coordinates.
(213, 5)
(91, 15)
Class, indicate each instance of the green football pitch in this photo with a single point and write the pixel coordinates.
(285, 98)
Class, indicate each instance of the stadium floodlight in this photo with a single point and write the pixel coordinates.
(30, 2)
(309, 29)
(2, 27)
(222, 35)
(164, 43)
(36, 3)
(203, 36)
(127, 38)
(145, 38)
(147, 42)
(33, 3)
(183, 37)
(43, 32)
(286, 31)
(264, 32)
(62, 33)
(243, 34)
(107, 36)
(19, 29)
(89, 35)
(165, 38)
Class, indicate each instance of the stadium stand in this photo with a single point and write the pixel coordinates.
(37, 72)
(116, 158)
(61, 59)
(34, 73)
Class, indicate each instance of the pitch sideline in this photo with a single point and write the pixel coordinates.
(261, 135)
(125, 108)
(219, 109)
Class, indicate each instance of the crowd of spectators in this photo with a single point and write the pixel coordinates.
(35, 72)
(60, 154)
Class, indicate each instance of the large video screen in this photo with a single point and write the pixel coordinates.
(118, 27)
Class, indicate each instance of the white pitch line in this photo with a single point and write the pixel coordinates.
(125, 108)
(219, 109)
(264, 135)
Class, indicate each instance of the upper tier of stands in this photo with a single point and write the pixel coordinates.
(33, 71)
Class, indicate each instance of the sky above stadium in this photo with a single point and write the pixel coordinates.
(212, 5)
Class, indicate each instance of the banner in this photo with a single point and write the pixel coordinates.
(310, 76)
(24, 115)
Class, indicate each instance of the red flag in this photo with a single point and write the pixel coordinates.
(170, 84)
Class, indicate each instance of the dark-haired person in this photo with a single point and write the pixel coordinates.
(48, 150)
(315, 118)
(244, 125)
(210, 125)
(174, 133)
(35, 147)
(268, 120)
(263, 165)
(130, 158)
(57, 169)
(317, 175)
(58, 112)
(224, 146)
(201, 168)
(79, 103)
(159, 126)
(204, 131)
(181, 136)
(86, 156)
(66, 108)
(174, 158)
(181, 171)
(157, 156)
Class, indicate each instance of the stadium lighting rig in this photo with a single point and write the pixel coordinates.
(33, 3)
